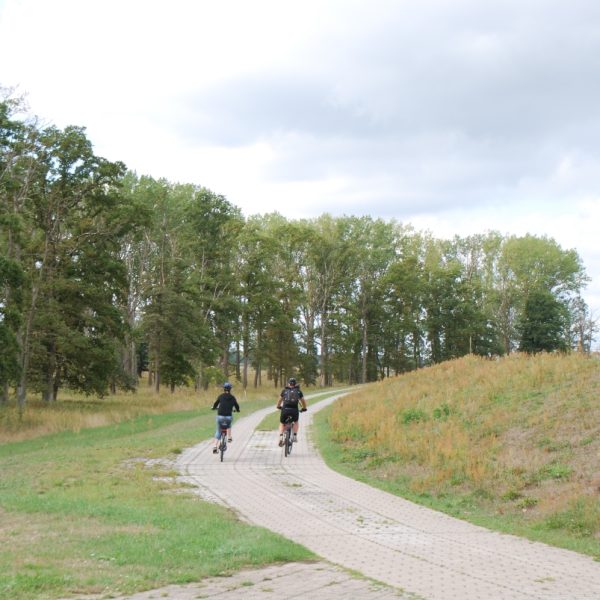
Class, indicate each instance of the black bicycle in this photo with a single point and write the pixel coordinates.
(223, 440)
(288, 435)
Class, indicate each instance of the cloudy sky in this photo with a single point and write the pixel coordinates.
(457, 116)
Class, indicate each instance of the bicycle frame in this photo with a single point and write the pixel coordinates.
(288, 436)
(223, 441)
(224, 423)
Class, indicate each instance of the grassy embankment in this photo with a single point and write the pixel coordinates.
(513, 444)
(83, 511)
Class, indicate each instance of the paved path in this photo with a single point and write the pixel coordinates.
(292, 581)
(386, 538)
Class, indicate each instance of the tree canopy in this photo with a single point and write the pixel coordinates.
(104, 273)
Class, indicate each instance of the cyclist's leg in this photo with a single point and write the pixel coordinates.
(217, 434)
(229, 426)
(296, 417)
(282, 418)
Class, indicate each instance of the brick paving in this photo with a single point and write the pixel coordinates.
(416, 551)
(313, 581)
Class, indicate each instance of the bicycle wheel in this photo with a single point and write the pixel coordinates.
(288, 441)
(223, 444)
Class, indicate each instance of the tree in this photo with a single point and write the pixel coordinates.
(257, 287)
(15, 169)
(528, 264)
(542, 325)
(403, 287)
(76, 273)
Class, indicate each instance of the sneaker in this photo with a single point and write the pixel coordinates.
(230, 440)
(215, 450)
(295, 438)
(280, 441)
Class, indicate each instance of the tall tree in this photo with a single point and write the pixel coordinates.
(81, 218)
(17, 163)
(529, 264)
(542, 324)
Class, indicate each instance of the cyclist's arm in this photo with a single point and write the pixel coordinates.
(301, 399)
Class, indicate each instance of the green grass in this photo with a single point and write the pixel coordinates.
(85, 513)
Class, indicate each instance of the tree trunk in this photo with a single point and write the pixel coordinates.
(324, 358)
(225, 362)
(157, 370)
(363, 372)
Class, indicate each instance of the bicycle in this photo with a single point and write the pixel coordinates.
(223, 441)
(224, 424)
(288, 434)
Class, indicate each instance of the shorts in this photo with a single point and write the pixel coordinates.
(225, 421)
(292, 412)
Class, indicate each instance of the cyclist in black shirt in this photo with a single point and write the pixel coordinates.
(291, 396)
(226, 403)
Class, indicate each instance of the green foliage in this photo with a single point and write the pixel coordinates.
(580, 519)
(552, 471)
(98, 263)
(412, 415)
(442, 412)
(542, 325)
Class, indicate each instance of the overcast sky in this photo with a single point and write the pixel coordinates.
(456, 116)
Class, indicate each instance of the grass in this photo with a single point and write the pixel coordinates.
(88, 503)
(74, 412)
(513, 444)
(94, 511)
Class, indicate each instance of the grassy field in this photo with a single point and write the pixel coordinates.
(88, 503)
(94, 510)
(512, 444)
(74, 412)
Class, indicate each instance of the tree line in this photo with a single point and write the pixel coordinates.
(105, 274)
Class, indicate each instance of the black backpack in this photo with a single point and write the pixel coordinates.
(291, 397)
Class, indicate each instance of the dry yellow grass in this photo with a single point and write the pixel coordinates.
(524, 430)
(73, 412)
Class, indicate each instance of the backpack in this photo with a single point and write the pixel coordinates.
(291, 397)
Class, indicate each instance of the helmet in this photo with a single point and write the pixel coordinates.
(227, 386)
(291, 381)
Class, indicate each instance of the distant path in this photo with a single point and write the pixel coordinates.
(380, 535)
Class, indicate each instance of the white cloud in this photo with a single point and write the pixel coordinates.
(456, 116)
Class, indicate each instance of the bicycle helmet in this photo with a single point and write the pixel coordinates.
(291, 381)
(227, 386)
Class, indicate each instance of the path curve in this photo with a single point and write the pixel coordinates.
(382, 536)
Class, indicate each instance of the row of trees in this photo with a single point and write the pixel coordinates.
(104, 273)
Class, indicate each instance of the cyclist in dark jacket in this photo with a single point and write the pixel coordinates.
(291, 396)
(226, 403)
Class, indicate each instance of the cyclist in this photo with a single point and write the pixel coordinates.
(291, 396)
(226, 402)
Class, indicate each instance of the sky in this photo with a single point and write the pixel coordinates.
(455, 116)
